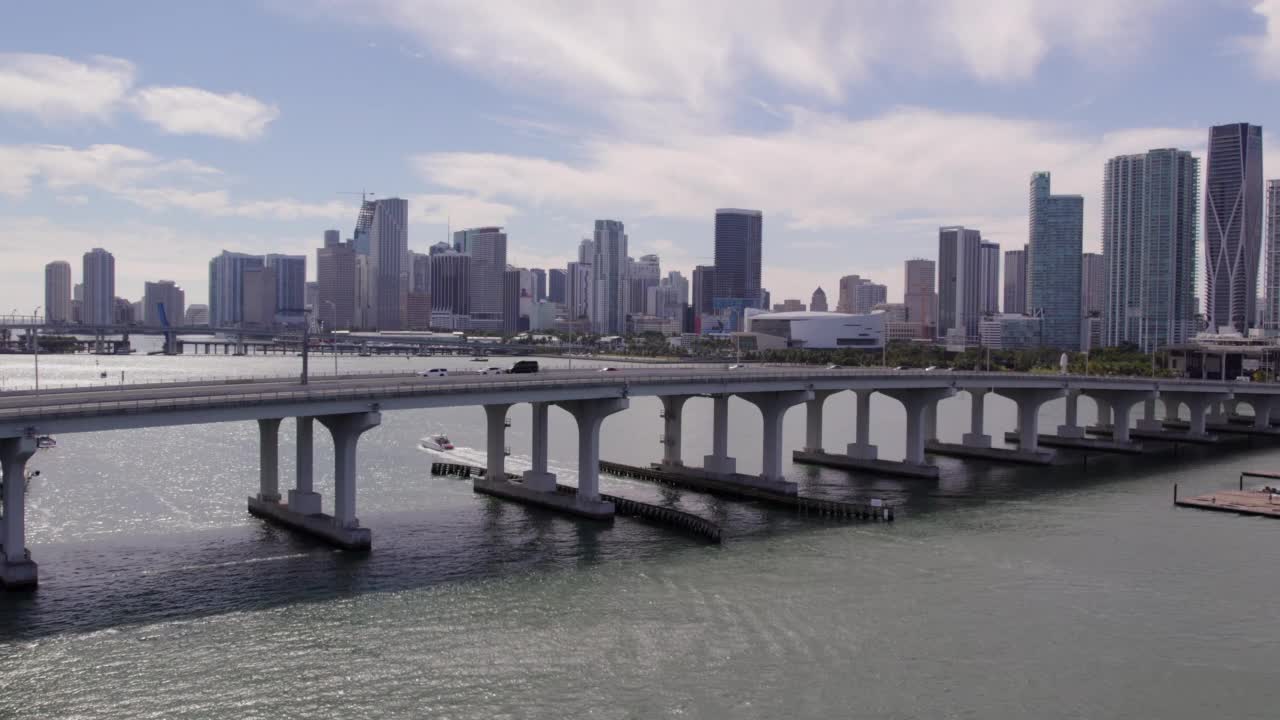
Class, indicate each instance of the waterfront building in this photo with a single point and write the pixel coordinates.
(511, 301)
(57, 292)
(578, 296)
(989, 280)
(1233, 207)
(959, 283)
(360, 239)
(259, 295)
(1010, 332)
(363, 317)
(704, 289)
(642, 274)
(539, 284)
(555, 285)
(291, 287)
(163, 304)
(818, 301)
(739, 235)
(1272, 293)
(920, 294)
(487, 247)
(99, 275)
(388, 248)
(226, 287)
(1054, 255)
(609, 278)
(817, 330)
(1015, 281)
(197, 315)
(336, 275)
(418, 306)
(450, 288)
(1093, 284)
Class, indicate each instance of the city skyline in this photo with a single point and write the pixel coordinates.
(162, 158)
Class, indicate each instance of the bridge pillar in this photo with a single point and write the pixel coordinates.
(862, 448)
(1198, 405)
(346, 430)
(1172, 402)
(1217, 412)
(1262, 409)
(773, 408)
(17, 570)
(1071, 428)
(1102, 408)
(1122, 402)
(719, 461)
(269, 460)
(813, 420)
(918, 404)
(1149, 422)
(1029, 401)
(590, 415)
(537, 478)
(303, 498)
(496, 441)
(976, 437)
(672, 429)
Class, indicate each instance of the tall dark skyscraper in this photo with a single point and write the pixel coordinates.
(1233, 207)
(704, 289)
(555, 285)
(539, 284)
(959, 283)
(739, 234)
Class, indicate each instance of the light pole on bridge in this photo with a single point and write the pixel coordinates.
(35, 346)
(333, 341)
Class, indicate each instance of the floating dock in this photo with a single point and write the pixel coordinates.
(1241, 502)
(697, 479)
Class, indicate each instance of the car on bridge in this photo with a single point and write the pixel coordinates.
(492, 371)
(434, 372)
(524, 366)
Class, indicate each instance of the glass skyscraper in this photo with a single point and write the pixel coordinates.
(739, 234)
(959, 283)
(1233, 226)
(1054, 256)
(609, 278)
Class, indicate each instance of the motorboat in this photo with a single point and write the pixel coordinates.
(436, 442)
(479, 359)
(46, 442)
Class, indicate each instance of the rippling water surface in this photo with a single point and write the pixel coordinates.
(1071, 592)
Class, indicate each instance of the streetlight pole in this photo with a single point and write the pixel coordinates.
(35, 344)
(333, 342)
(306, 341)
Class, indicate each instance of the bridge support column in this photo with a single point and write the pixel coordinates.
(590, 415)
(672, 430)
(1103, 417)
(719, 461)
(1122, 402)
(1029, 401)
(1071, 428)
(346, 430)
(1198, 406)
(496, 441)
(269, 460)
(773, 407)
(918, 403)
(862, 448)
(17, 570)
(813, 420)
(303, 498)
(1172, 402)
(976, 437)
(1149, 422)
(537, 478)
(1217, 412)
(1262, 407)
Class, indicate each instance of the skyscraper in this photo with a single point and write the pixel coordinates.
(336, 273)
(226, 287)
(704, 289)
(57, 292)
(555, 285)
(487, 247)
(681, 286)
(388, 247)
(539, 284)
(858, 295)
(642, 274)
(1053, 260)
(163, 303)
(451, 289)
(1272, 293)
(420, 281)
(332, 237)
(99, 274)
(291, 286)
(364, 223)
(609, 278)
(1015, 281)
(1149, 227)
(739, 235)
(1233, 226)
(511, 301)
(578, 294)
(989, 282)
(920, 294)
(818, 302)
(959, 283)
(259, 296)
(1093, 284)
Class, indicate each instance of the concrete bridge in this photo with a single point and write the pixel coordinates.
(348, 406)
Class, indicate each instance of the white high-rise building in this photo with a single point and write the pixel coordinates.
(163, 304)
(609, 278)
(642, 274)
(487, 247)
(1272, 277)
(99, 288)
(388, 246)
(226, 287)
(57, 292)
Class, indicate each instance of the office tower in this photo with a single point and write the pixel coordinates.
(1053, 262)
(388, 246)
(704, 290)
(1233, 226)
(511, 301)
(1093, 284)
(1272, 293)
(539, 284)
(313, 296)
(99, 274)
(259, 292)
(363, 317)
(681, 285)
(866, 295)
(196, 315)
(578, 295)
(57, 292)
(609, 278)
(291, 286)
(989, 283)
(738, 239)
(920, 294)
(555, 285)
(226, 287)
(450, 288)
(440, 248)
(1149, 226)
(360, 240)
(848, 288)
(331, 238)
(487, 247)
(642, 274)
(336, 274)
(123, 312)
(1015, 281)
(959, 283)
(163, 304)
(818, 303)
(421, 279)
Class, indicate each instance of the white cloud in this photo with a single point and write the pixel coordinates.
(457, 209)
(57, 88)
(1265, 48)
(192, 111)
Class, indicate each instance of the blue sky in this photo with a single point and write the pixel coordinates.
(166, 132)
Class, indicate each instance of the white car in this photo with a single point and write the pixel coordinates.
(434, 372)
(737, 367)
(492, 371)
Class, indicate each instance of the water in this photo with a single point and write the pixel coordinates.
(1072, 592)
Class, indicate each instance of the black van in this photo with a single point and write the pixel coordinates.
(524, 366)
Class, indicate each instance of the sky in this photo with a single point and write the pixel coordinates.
(166, 132)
